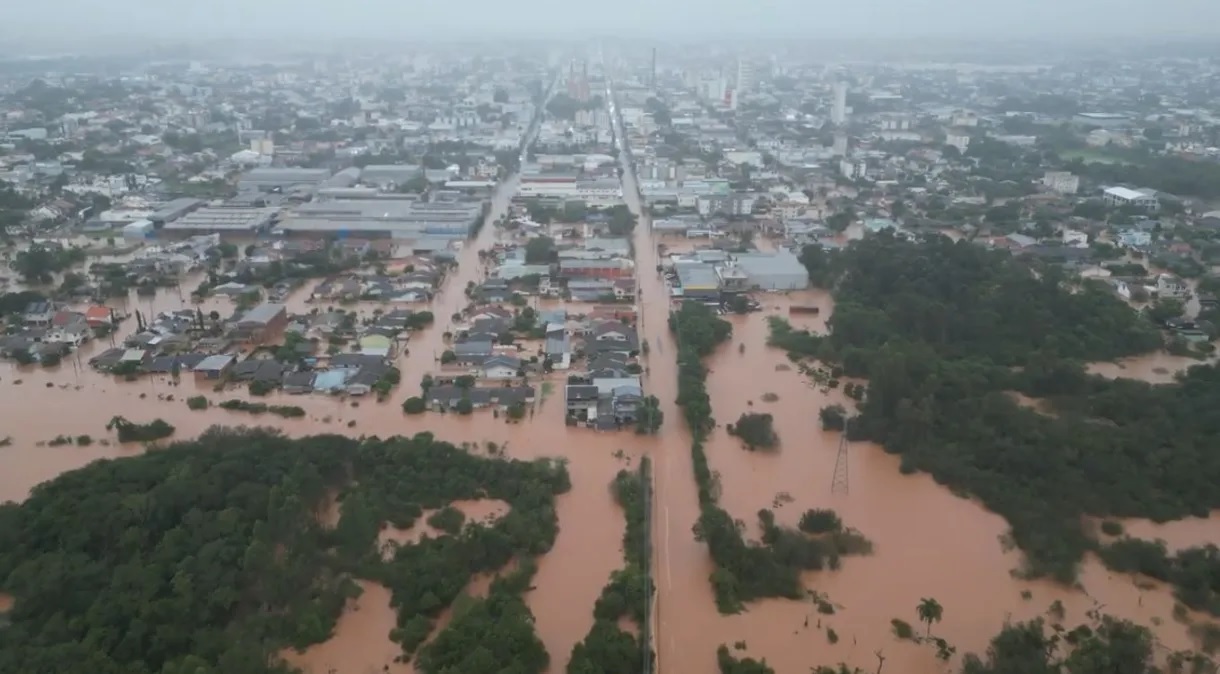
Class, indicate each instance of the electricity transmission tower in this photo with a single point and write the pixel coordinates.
(838, 482)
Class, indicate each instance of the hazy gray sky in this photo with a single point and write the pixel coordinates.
(160, 19)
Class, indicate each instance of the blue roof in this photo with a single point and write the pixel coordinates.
(330, 380)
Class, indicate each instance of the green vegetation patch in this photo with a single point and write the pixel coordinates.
(209, 556)
(943, 331)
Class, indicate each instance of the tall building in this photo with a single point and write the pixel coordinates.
(653, 76)
(745, 77)
(838, 109)
(840, 146)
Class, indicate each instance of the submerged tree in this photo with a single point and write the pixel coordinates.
(929, 611)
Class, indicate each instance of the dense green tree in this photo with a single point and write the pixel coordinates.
(540, 250)
(755, 430)
(649, 416)
(930, 611)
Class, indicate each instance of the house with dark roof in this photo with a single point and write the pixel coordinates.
(39, 313)
(604, 403)
(212, 367)
(611, 337)
(267, 371)
(262, 322)
(500, 366)
(298, 382)
(362, 382)
(472, 353)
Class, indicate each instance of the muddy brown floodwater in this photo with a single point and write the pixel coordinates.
(928, 542)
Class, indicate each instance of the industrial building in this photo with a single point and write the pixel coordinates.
(282, 179)
(224, 220)
(1118, 197)
(781, 270)
(384, 218)
(173, 210)
(390, 175)
(698, 281)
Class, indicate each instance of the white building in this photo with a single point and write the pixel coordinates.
(838, 108)
(1063, 182)
(1170, 286)
(840, 146)
(1075, 239)
(1124, 196)
(547, 186)
(853, 168)
(746, 78)
(959, 140)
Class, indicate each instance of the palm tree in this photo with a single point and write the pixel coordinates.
(929, 611)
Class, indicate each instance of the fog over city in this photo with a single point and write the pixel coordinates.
(288, 19)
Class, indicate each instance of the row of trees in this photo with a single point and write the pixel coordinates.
(944, 331)
(210, 556)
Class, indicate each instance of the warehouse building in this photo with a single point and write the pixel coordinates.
(390, 175)
(224, 220)
(698, 281)
(173, 210)
(384, 218)
(282, 179)
(781, 270)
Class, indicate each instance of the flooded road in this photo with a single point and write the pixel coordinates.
(928, 542)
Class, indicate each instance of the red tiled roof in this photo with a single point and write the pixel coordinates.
(98, 314)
